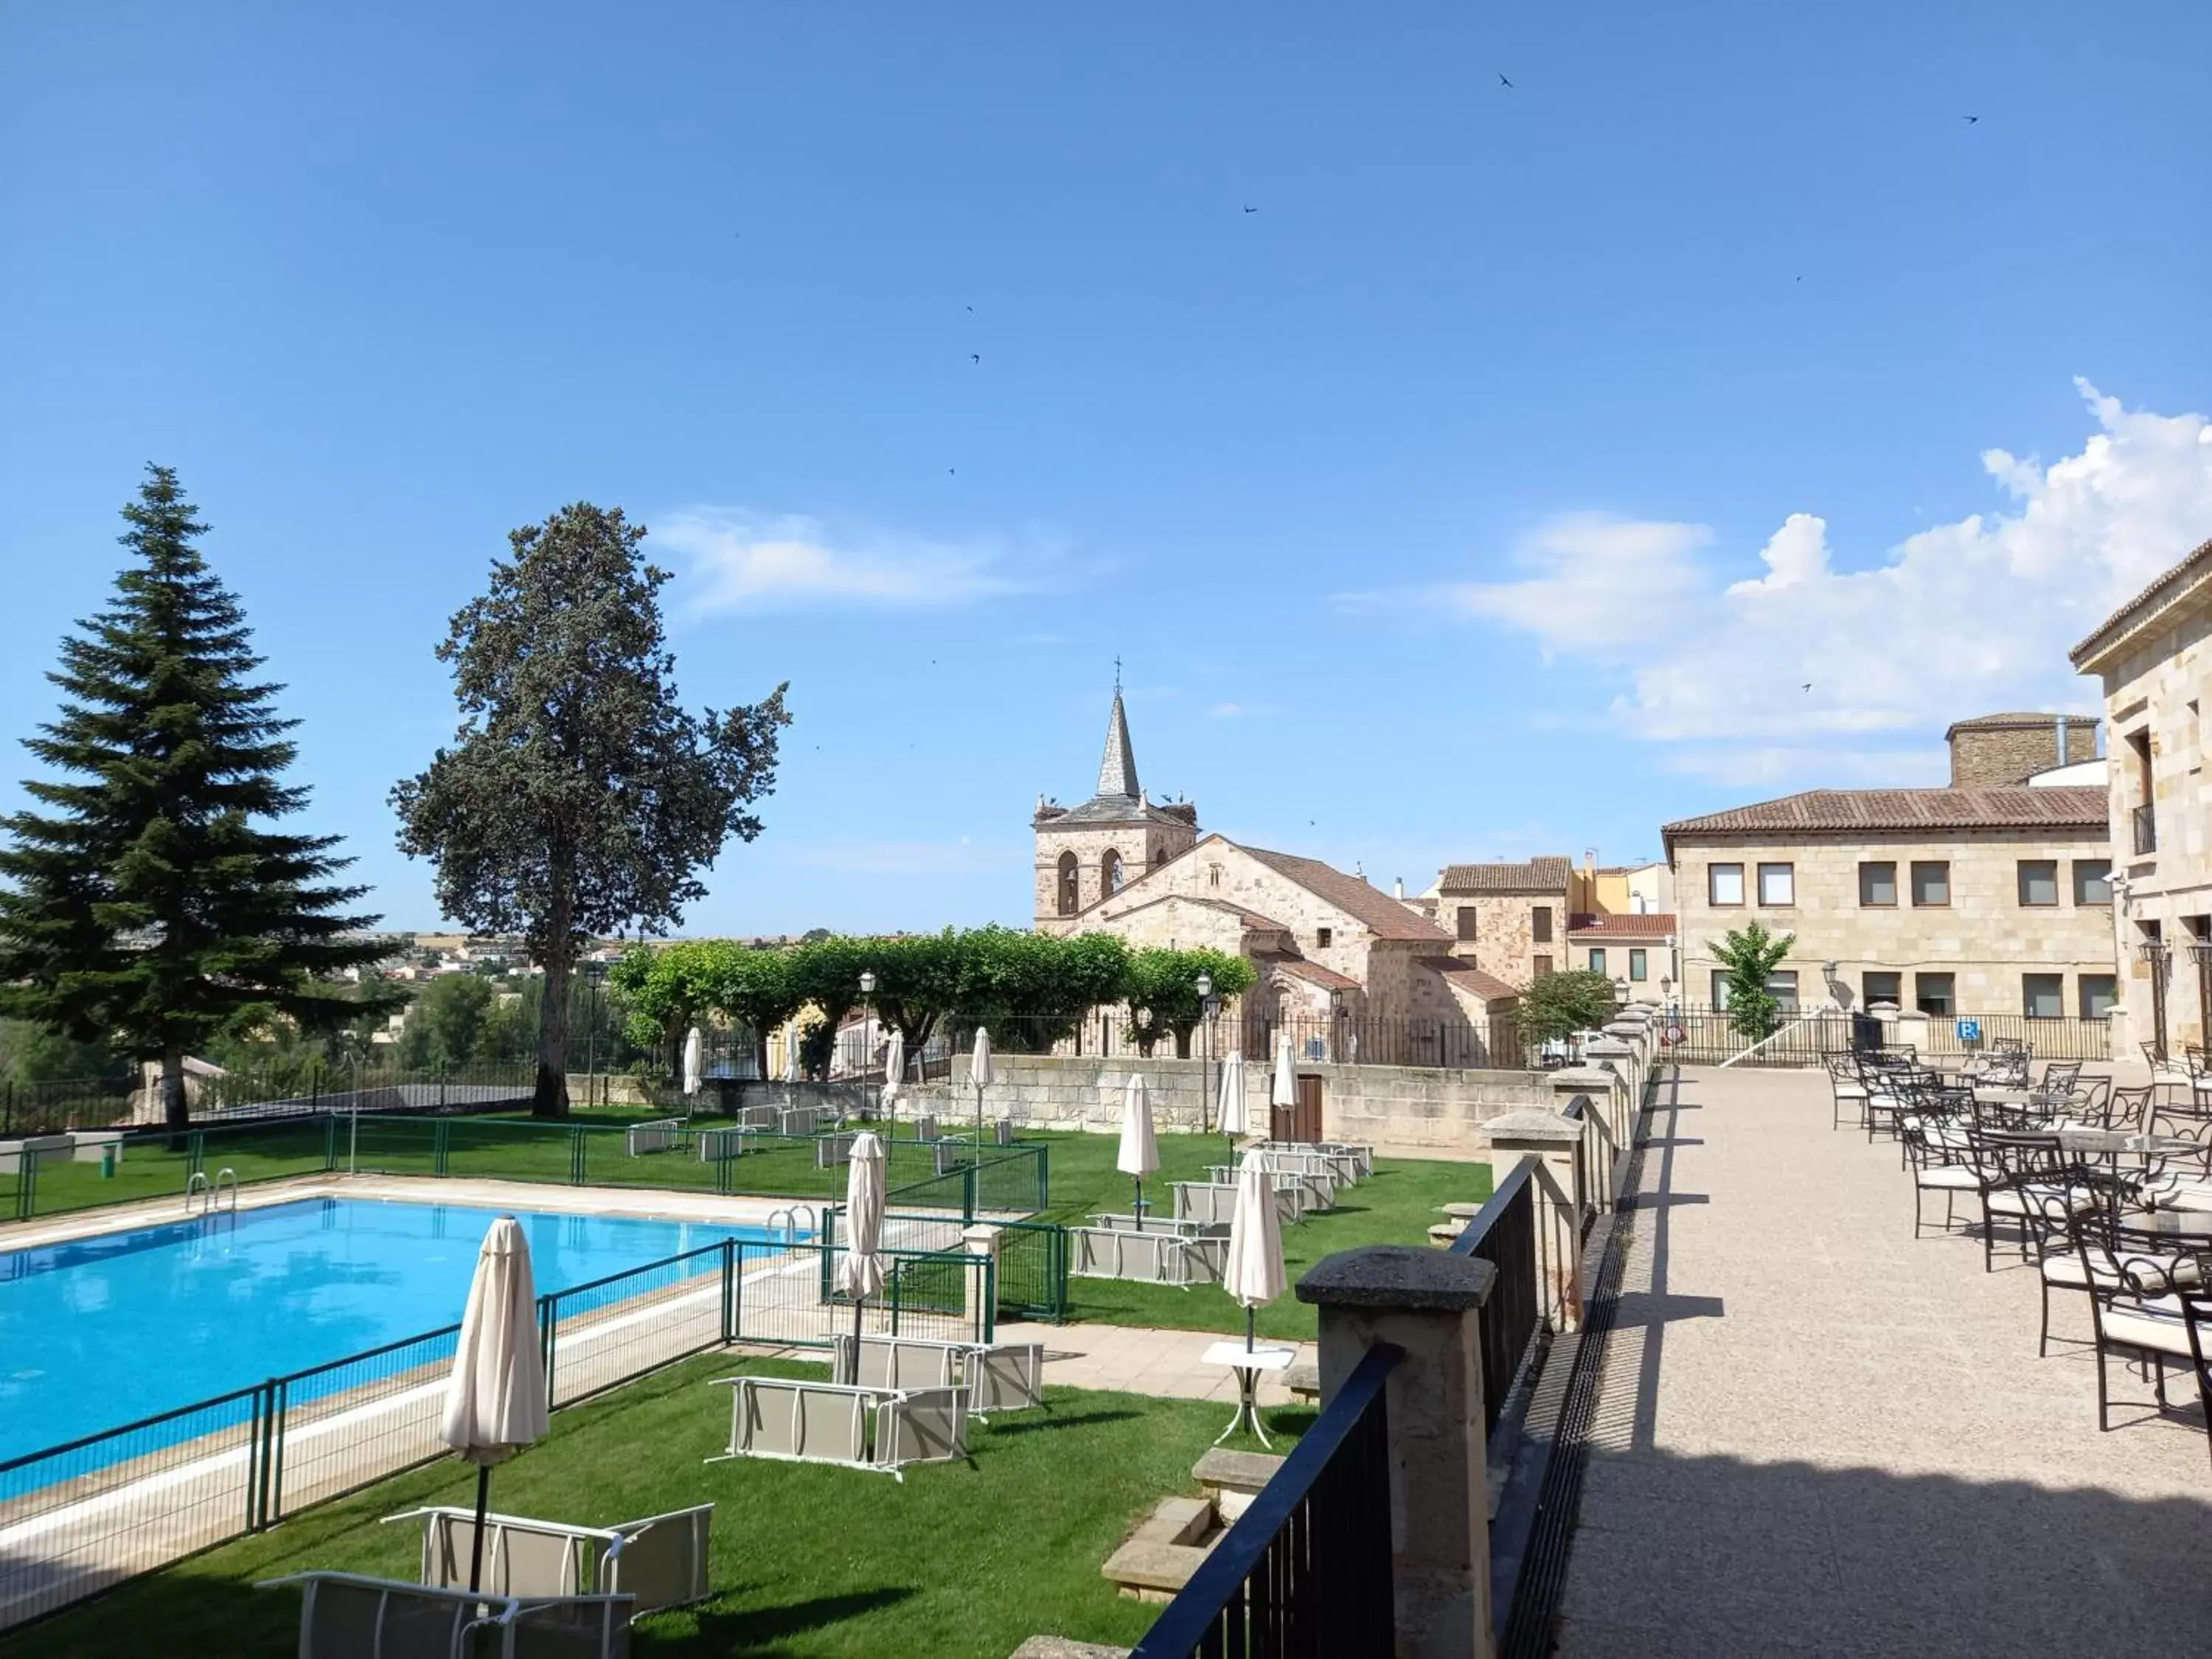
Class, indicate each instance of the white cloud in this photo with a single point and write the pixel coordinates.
(743, 562)
(1960, 619)
(1235, 711)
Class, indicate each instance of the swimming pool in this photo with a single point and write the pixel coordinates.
(101, 1332)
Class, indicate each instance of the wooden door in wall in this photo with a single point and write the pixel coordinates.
(1303, 1121)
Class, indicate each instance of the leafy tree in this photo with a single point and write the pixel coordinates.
(1162, 991)
(448, 1024)
(1559, 1005)
(1749, 955)
(150, 905)
(580, 797)
(34, 1054)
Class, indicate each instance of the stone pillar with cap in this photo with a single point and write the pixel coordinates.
(981, 1284)
(1557, 1142)
(1428, 1303)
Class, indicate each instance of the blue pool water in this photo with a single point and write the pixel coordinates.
(101, 1332)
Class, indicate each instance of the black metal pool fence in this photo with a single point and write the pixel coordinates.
(77, 1518)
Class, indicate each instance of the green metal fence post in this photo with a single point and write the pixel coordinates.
(729, 1290)
(576, 1156)
(440, 1145)
(1043, 1176)
(549, 1340)
(27, 1184)
(968, 1174)
(195, 1153)
(329, 1143)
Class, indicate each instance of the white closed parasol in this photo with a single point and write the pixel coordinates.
(1254, 1273)
(979, 1073)
(694, 1048)
(1284, 1092)
(495, 1396)
(1235, 1115)
(894, 1075)
(860, 1269)
(1139, 1154)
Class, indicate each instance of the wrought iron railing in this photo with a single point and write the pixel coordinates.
(1504, 1234)
(1304, 1573)
(2144, 820)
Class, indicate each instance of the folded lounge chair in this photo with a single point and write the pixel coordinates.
(345, 1615)
(659, 1561)
(999, 1377)
(806, 1422)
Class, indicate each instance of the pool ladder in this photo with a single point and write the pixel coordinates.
(199, 1183)
(787, 1220)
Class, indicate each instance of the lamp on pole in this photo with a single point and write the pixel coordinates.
(867, 1029)
(1204, 986)
(594, 974)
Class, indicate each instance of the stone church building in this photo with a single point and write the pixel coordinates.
(1347, 969)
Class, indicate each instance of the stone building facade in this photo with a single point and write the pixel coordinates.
(1341, 962)
(1953, 902)
(2154, 658)
(1993, 750)
(1509, 919)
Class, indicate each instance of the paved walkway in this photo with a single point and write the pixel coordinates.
(1137, 1360)
(1818, 1436)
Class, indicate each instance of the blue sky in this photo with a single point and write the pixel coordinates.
(1499, 486)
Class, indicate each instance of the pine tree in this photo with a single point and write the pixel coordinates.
(147, 905)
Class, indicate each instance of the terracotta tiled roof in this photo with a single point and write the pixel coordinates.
(1655, 924)
(1486, 986)
(1383, 915)
(1539, 875)
(1299, 967)
(2169, 586)
(1817, 811)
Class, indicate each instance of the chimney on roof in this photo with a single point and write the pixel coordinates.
(1398, 887)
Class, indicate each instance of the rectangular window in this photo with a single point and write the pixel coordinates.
(2093, 881)
(2043, 996)
(1540, 924)
(1782, 987)
(1931, 882)
(1724, 884)
(2039, 881)
(1720, 991)
(1323, 936)
(1596, 959)
(1636, 964)
(1777, 883)
(2098, 991)
(1932, 993)
(1878, 886)
(1881, 987)
(1467, 914)
(1543, 966)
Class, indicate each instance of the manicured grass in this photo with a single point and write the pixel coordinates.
(1396, 1206)
(810, 1562)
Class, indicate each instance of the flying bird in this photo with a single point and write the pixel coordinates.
(974, 356)
(1969, 119)
(1251, 210)
(1808, 685)
(1505, 84)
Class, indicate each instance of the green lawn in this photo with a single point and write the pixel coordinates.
(963, 1559)
(1396, 1206)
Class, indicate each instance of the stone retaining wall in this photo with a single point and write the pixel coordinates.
(1426, 1111)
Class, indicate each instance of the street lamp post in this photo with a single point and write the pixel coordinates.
(1204, 986)
(594, 973)
(867, 1032)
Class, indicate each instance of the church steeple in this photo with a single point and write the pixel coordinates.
(1117, 771)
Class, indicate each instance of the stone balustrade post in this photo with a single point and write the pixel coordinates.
(981, 1284)
(1555, 1140)
(1429, 1304)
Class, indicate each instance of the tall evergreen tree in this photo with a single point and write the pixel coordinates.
(578, 797)
(149, 904)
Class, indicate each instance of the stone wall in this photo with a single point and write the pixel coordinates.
(1985, 937)
(1504, 942)
(1419, 1111)
(2154, 697)
(2009, 754)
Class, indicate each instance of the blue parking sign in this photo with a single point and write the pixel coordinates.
(1970, 1030)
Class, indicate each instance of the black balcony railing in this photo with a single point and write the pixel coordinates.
(1504, 1234)
(1305, 1572)
(2146, 828)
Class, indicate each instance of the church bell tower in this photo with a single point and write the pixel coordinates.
(1088, 852)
